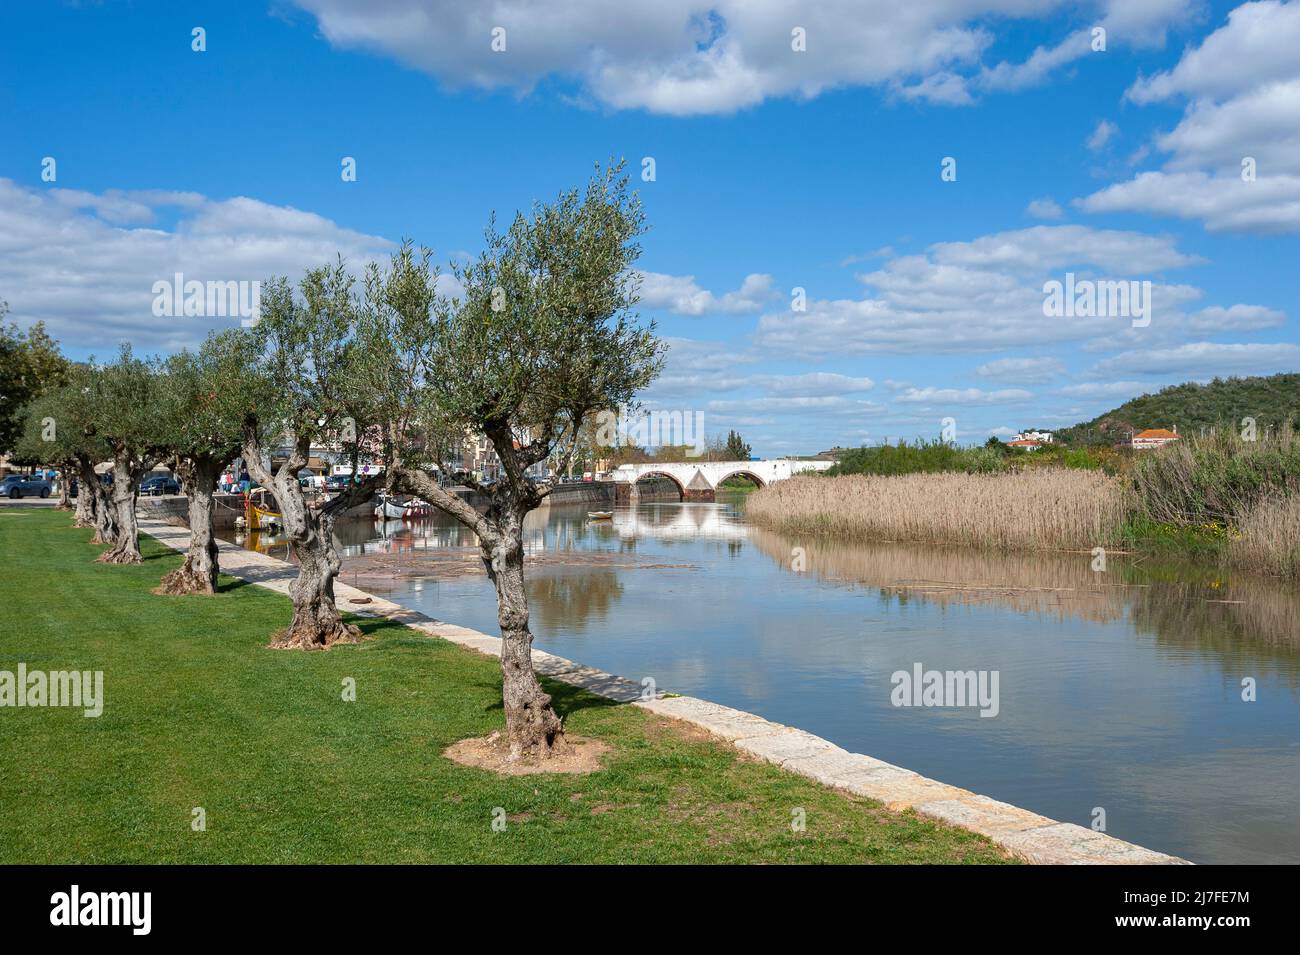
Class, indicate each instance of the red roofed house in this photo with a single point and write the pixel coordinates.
(1029, 444)
(1153, 438)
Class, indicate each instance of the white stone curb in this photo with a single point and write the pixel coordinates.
(1027, 835)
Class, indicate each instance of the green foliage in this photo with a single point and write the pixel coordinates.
(544, 333)
(30, 365)
(920, 457)
(200, 403)
(298, 360)
(59, 426)
(1272, 401)
(122, 398)
(736, 449)
(1215, 480)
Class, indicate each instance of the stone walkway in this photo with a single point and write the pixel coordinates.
(1028, 835)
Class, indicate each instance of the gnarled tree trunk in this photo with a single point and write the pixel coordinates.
(85, 513)
(102, 510)
(317, 623)
(126, 482)
(532, 726)
(65, 491)
(198, 574)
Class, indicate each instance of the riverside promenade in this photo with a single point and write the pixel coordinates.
(1029, 836)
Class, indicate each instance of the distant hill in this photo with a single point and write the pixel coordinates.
(1191, 407)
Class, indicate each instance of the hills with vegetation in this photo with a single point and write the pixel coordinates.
(1272, 401)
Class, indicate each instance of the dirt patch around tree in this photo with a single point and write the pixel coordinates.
(576, 755)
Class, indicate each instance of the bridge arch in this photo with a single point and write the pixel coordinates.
(741, 472)
(657, 474)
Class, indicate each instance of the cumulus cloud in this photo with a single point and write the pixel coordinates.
(979, 295)
(1027, 371)
(683, 295)
(1045, 208)
(1205, 358)
(1106, 389)
(1241, 87)
(70, 259)
(1104, 133)
(692, 57)
(962, 396)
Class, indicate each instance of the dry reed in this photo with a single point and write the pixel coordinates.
(1035, 510)
(1268, 537)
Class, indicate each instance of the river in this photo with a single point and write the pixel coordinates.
(1118, 691)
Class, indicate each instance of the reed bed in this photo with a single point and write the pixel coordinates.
(1031, 510)
(1268, 537)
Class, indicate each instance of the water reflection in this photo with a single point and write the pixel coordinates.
(1120, 689)
(1238, 620)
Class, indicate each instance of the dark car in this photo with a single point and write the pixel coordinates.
(156, 486)
(338, 482)
(25, 485)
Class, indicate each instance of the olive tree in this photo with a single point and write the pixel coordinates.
(299, 390)
(542, 335)
(201, 427)
(54, 433)
(75, 415)
(123, 397)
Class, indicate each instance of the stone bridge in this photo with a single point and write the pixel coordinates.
(699, 480)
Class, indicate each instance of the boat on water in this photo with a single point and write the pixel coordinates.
(389, 509)
(259, 517)
(600, 515)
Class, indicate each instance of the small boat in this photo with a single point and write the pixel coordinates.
(259, 517)
(387, 509)
(600, 515)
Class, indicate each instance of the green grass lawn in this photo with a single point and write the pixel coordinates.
(199, 713)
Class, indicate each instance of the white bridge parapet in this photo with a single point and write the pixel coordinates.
(699, 480)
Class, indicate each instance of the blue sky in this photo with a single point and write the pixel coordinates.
(775, 169)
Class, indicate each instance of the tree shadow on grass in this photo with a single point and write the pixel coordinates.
(565, 699)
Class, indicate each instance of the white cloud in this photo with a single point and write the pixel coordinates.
(1045, 208)
(816, 383)
(977, 295)
(67, 259)
(1235, 318)
(1223, 203)
(692, 57)
(1206, 358)
(1106, 389)
(683, 295)
(1104, 133)
(1242, 89)
(1027, 371)
(962, 396)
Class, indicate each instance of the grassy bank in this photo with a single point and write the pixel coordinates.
(198, 713)
(1038, 509)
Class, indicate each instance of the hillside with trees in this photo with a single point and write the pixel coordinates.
(1191, 407)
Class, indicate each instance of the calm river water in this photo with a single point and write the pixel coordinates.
(1119, 690)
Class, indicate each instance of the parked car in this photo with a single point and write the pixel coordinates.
(162, 484)
(338, 482)
(310, 481)
(25, 485)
